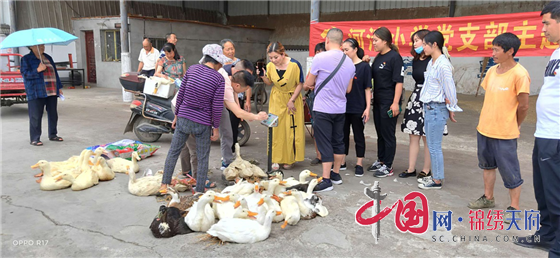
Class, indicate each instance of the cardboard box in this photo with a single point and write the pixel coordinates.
(157, 87)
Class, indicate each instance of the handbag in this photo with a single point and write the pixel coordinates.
(310, 96)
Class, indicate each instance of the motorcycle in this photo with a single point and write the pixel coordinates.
(152, 116)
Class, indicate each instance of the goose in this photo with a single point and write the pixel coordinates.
(48, 182)
(201, 216)
(144, 186)
(242, 231)
(290, 209)
(119, 164)
(302, 178)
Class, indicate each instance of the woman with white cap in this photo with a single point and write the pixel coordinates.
(197, 112)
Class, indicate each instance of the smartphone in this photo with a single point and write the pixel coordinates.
(260, 66)
(390, 112)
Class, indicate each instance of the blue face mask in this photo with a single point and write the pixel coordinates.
(419, 49)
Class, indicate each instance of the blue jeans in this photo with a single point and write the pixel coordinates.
(435, 117)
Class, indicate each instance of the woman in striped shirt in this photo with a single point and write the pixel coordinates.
(438, 89)
(198, 112)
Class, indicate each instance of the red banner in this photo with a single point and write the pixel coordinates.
(466, 36)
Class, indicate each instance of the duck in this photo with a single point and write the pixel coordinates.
(144, 186)
(305, 206)
(85, 180)
(119, 164)
(183, 203)
(104, 172)
(226, 209)
(254, 198)
(201, 216)
(290, 209)
(266, 204)
(48, 182)
(307, 187)
(242, 231)
(302, 178)
(72, 165)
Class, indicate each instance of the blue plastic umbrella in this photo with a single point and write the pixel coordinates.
(39, 36)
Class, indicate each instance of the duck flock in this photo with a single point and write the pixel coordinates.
(244, 212)
(240, 213)
(85, 171)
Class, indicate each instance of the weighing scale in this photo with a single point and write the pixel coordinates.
(270, 122)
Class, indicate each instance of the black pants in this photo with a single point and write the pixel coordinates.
(329, 134)
(546, 179)
(386, 140)
(355, 120)
(149, 73)
(35, 108)
(235, 124)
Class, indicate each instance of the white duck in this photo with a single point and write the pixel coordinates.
(201, 216)
(85, 180)
(225, 209)
(144, 186)
(104, 172)
(275, 206)
(119, 164)
(305, 206)
(302, 178)
(290, 209)
(242, 231)
(48, 182)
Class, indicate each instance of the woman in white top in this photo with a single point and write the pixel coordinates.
(439, 89)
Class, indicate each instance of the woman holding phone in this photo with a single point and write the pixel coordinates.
(388, 76)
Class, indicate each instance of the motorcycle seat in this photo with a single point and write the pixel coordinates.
(159, 100)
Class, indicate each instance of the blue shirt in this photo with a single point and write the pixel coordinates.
(33, 80)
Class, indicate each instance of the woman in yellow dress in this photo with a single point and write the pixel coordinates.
(286, 77)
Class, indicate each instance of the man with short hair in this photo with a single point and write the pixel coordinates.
(329, 106)
(230, 103)
(148, 58)
(243, 101)
(171, 38)
(546, 153)
(506, 102)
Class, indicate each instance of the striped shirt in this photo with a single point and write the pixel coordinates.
(439, 84)
(201, 96)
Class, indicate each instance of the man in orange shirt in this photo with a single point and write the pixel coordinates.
(506, 102)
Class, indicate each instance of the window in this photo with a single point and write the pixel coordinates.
(158, 43)
(111, 45)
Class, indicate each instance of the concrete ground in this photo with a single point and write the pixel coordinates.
(107, 221)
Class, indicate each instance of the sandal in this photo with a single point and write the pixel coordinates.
(288, 166)
(36, 143)
(210, 184)
(56, 139)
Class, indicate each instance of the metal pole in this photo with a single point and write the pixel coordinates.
(269, 149)
(125, 55)
(315, 11)
(13, 27)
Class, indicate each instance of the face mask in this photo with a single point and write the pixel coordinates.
(419, 49)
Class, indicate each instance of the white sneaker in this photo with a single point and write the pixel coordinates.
(425, 179)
